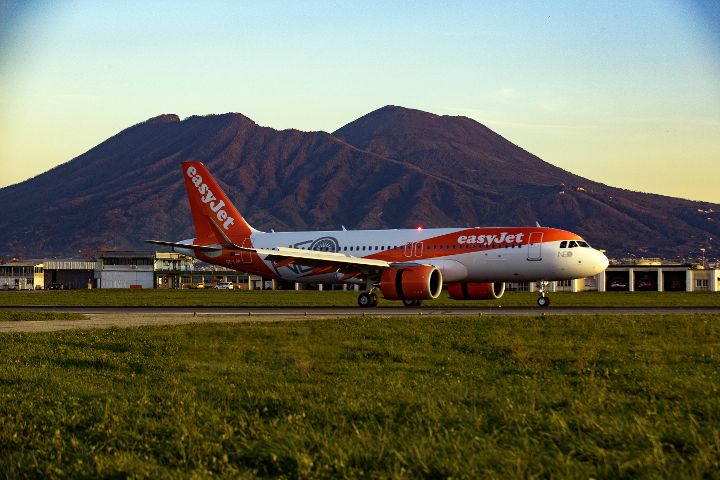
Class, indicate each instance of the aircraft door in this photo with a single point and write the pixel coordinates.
(414, 249)
(246, 257)
(535, 246)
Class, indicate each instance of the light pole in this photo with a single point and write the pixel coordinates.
(703, 257)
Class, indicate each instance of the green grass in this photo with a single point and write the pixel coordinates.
(234, 298)
(20, 315)
(491, 397)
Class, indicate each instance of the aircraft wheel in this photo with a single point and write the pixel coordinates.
(365, 300)
(543, 301)
(374, 299)
(411, 303)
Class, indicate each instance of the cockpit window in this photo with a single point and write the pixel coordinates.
(572, 244)
(563, 244)
(583, 244)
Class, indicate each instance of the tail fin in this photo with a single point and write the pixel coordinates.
(215, 217)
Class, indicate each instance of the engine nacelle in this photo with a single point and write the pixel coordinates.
(421, 282)
(475, 291)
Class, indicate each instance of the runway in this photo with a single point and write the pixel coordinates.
(124, 317)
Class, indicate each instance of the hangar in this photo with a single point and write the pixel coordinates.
(40, 274)
(656, 276)
(69, 273)
(641, 275)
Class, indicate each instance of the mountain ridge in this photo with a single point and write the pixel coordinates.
(391, 168)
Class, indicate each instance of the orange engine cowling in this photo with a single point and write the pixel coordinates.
(475, 291)
(421, 282)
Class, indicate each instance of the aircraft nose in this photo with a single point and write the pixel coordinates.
(602, 261)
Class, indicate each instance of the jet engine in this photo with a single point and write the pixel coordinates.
(475, 291)
(417, 282)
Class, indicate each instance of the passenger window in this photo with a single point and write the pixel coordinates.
(563, 244)
(363, 248)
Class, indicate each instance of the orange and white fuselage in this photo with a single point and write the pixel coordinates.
(530, 254)
(480, 255)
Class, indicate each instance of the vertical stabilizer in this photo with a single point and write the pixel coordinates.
(215, 218)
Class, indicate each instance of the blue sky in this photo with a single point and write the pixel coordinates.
(626, 93)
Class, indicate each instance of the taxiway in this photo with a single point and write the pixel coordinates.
(126, 317)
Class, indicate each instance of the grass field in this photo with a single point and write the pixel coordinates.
(20, 316)
(492, 397)
(309, 298)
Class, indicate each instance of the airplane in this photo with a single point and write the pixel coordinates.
(401, 264)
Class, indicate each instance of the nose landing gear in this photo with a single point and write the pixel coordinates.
(542, 300)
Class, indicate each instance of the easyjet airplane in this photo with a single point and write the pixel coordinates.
(408, 265)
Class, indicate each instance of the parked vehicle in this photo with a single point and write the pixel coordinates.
(224, 286)
(618, 284)
(56, 286)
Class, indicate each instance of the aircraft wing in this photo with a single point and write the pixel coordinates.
(323, 262)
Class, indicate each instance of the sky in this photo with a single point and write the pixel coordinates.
(624, 93)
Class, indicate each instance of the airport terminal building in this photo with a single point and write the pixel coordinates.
(139, 269)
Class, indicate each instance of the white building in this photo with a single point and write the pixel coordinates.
(125, 270)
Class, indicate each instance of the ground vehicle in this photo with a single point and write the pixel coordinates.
(618, 284)
(224, 286)
(56, 286)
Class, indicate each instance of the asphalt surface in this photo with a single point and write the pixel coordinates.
(124, 317)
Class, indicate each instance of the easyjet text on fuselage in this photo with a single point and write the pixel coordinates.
(487, 239)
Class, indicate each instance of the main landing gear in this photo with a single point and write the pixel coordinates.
(542, 300)
(368, 299)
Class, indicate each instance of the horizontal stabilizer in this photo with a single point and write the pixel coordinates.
(202, 248)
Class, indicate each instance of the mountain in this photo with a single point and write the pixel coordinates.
(394, 167)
